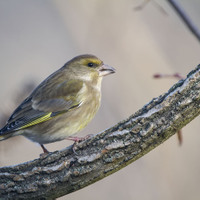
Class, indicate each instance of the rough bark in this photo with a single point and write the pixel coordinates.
(66, 171)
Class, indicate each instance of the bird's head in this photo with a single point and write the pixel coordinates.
(89, 67)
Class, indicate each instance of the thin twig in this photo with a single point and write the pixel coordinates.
(186, 19)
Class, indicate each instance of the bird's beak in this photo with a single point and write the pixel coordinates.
(105, 70)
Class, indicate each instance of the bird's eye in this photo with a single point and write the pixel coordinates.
(90, 64)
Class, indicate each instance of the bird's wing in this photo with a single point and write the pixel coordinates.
(43, 104)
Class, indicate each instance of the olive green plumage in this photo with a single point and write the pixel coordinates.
(64, 103)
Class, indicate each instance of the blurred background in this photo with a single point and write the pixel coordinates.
(38, 36)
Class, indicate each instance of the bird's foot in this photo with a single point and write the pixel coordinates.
(77, 140)
(45, 151)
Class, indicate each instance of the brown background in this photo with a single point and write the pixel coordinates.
(38, 37)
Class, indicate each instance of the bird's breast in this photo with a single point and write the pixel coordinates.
(68, 123)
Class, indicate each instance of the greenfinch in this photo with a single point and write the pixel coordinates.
(63, 104)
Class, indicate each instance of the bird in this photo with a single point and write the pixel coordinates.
(61, 105)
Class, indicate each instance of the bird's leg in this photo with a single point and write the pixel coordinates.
(75, 139)
(44, 149)
(78, 139)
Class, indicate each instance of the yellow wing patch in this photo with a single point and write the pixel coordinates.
(37, 121)
(45, 118)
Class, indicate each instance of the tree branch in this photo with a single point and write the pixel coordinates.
(182, 14)
(62, 172)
